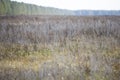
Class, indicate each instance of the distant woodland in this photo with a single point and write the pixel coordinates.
(8, 7)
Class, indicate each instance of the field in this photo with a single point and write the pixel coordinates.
(59, 47)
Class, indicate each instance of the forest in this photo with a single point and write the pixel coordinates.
(8, 7)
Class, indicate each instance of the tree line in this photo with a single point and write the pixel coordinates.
(8, 7)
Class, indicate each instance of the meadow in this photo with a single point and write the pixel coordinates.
(59, 47)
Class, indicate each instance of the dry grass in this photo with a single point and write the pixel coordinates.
(74, 50)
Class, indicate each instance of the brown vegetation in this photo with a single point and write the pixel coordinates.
(59, 47)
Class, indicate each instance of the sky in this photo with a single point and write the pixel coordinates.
(77, 4)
